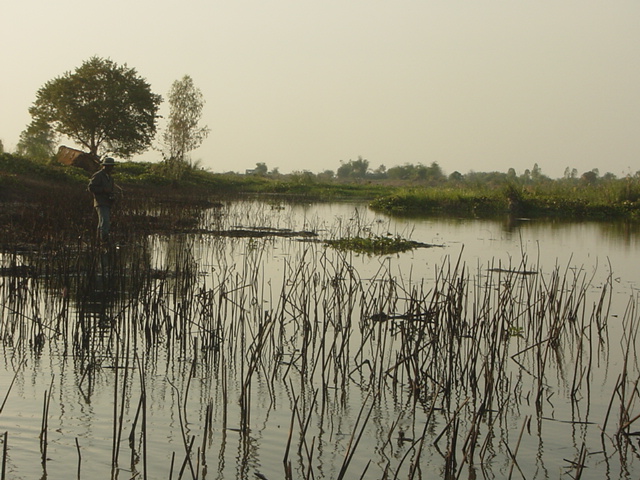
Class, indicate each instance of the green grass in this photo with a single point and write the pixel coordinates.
(15, 167)
(442, 200)
(564, 198)
(612, 200)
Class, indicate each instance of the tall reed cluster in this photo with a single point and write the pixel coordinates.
(388, 375)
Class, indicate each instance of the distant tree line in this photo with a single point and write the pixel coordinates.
(432, 175)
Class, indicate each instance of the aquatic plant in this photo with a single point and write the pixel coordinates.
(376, 244)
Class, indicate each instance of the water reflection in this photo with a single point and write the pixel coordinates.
(239, 357)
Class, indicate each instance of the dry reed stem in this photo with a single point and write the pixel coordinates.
(448, 336)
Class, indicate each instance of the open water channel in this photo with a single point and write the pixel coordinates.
(505, 349)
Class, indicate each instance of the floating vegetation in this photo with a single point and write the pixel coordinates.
(376, 244)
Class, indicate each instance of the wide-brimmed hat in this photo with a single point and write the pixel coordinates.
(108, 161)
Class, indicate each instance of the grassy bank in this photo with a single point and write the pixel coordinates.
(24, 181)
(19, 176)
(552, 199)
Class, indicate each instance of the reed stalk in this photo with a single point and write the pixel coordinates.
(5, 447)
(79, 457)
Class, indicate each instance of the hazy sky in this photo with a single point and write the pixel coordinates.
(301, 85)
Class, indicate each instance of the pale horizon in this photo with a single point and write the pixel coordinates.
(483, 86)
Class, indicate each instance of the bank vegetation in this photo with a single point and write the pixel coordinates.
(404, 190)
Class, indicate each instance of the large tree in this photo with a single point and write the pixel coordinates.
(102, 106)
(183, 133)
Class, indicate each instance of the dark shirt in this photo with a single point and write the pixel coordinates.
(101, 185)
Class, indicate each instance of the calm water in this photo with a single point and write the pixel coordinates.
(261, 382)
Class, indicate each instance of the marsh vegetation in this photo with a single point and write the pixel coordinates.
(198, 348)
(235, 328)
(404, 190)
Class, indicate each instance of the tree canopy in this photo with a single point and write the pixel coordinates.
(101, 106)
(183, 134)
(37, 141)
(353, 168)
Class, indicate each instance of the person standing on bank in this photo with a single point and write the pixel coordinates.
(103, 188)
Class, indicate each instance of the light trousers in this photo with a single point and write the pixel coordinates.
(103, 222)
